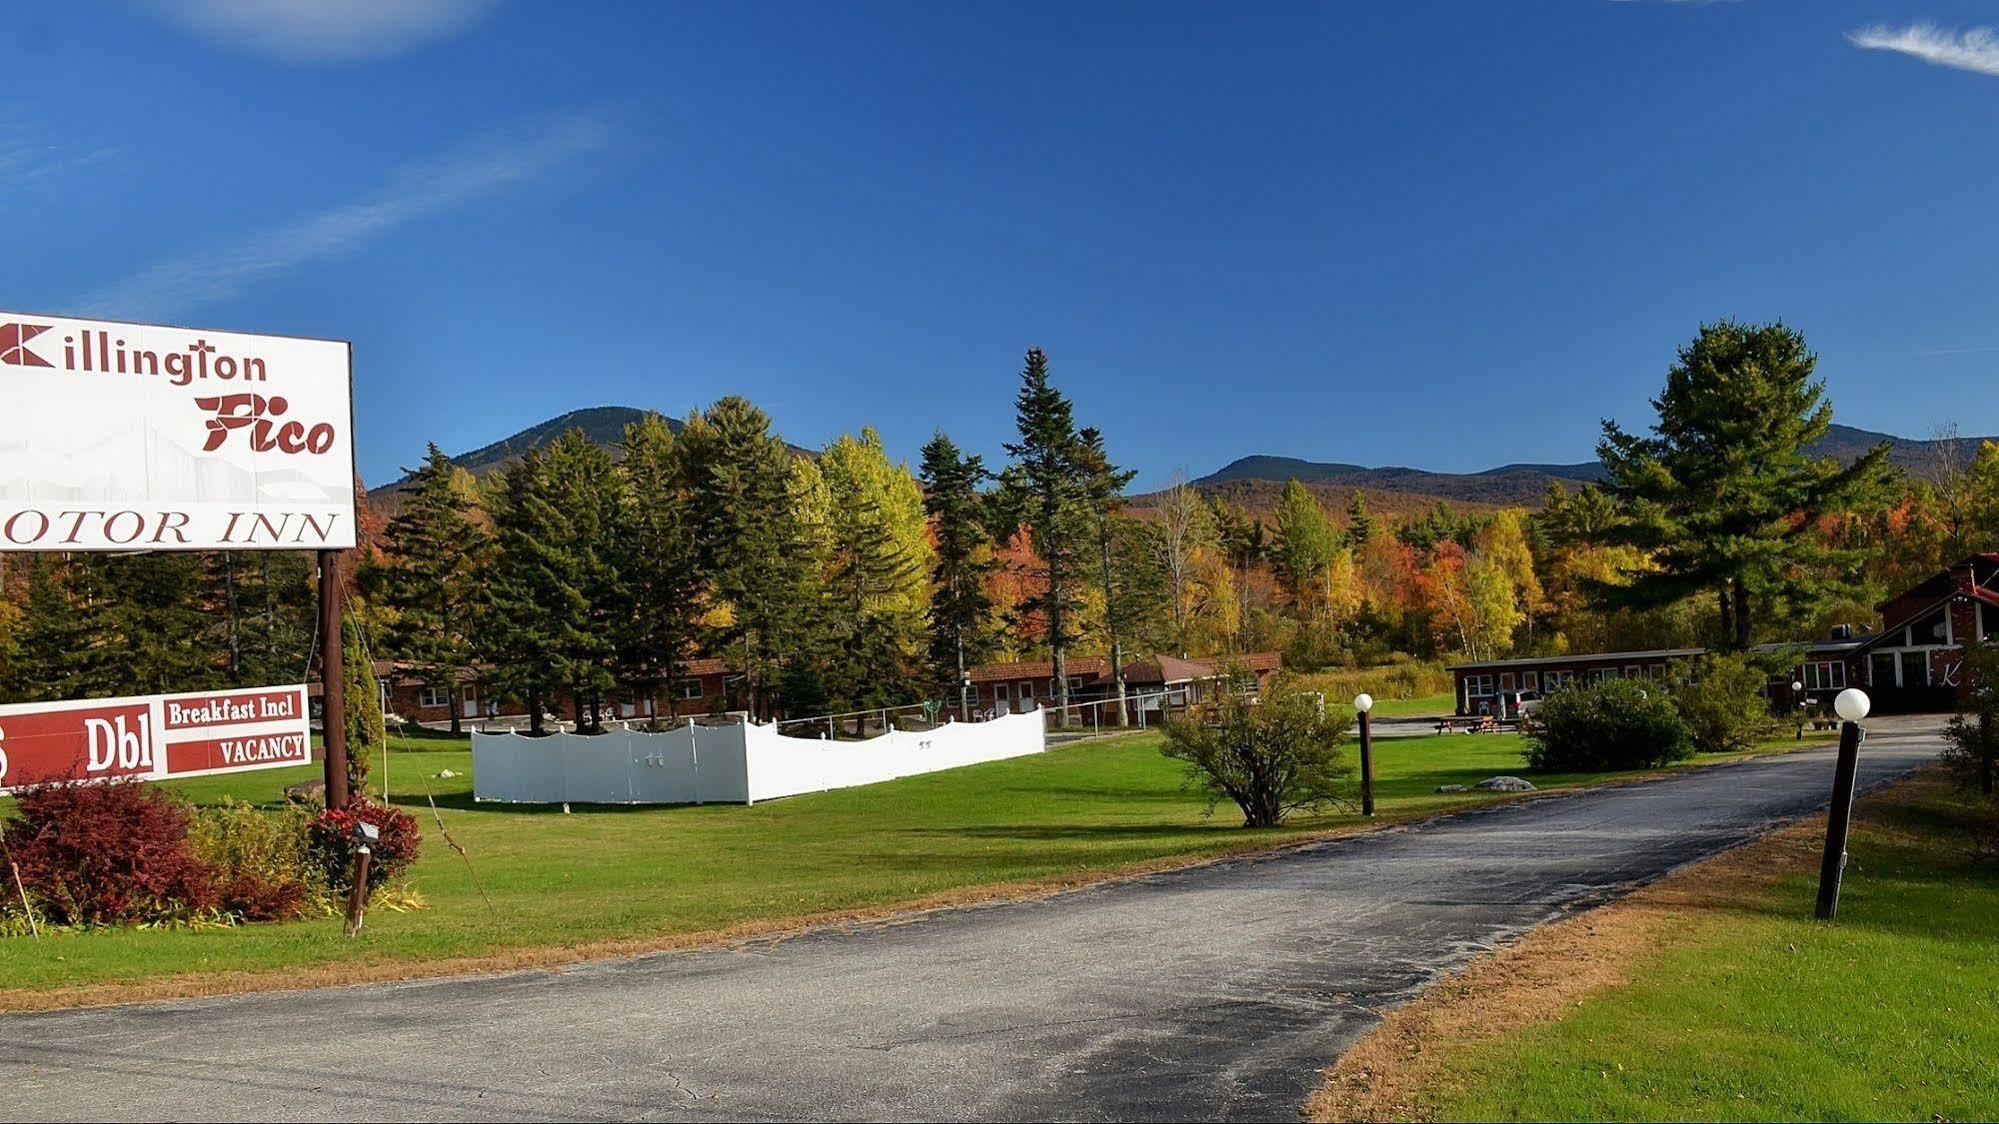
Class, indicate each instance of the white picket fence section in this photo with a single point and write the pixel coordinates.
(735, 764)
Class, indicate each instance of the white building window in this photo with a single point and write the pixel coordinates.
(430, 698)
(686, 690)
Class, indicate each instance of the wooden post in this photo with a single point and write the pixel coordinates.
(357, 898)
(1839, 818)
(1366, 765)
(332, 678)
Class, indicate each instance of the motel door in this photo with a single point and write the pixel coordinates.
(1002, 703)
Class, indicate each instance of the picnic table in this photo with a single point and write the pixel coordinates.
(1468, 724)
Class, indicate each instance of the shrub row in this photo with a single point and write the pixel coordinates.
(123, 853)
(1711, 705)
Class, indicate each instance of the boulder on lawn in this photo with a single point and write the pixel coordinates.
(1452, 788)
(311, 792)
(1505, 784)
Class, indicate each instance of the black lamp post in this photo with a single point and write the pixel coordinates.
(1362, 703)
(1851, 705)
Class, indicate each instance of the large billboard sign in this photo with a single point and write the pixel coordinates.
(123, 436)
(154, 737)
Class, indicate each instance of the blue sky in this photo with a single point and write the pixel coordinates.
(1449, 235)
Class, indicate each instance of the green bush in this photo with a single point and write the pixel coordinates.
(262, 861)
(1616, 724)
(1269, 758)
(1720, 698)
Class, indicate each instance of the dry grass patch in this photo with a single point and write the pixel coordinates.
(1412, 1066)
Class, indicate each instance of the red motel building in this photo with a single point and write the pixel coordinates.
(1912, 664)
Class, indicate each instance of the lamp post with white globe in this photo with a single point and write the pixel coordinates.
(1851, 705)
(1362, 703)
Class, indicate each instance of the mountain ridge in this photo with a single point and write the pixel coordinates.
(1521, 483)
(1256, 480)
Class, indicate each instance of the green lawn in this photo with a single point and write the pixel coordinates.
(1445, 703)
(1890, 1013)
(607, 873)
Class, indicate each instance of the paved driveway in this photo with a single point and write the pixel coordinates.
(1213, 992)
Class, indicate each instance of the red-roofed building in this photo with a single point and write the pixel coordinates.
(1913, 663)
(409, 693)
(1003, 688)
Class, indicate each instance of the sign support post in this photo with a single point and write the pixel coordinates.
(332, 678)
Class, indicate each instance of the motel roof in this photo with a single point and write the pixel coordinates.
(1158, 668)
(1654, 655)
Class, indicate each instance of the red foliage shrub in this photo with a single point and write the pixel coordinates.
(107, 853)
(333, 842)
(254, 898)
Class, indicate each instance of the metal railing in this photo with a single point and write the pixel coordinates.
(860, 725)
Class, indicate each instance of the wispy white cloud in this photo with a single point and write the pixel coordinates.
(323, 30)
(202, 278)
(1976, 50)
(24, 164)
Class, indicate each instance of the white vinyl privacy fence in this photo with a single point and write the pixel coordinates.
(735, 764)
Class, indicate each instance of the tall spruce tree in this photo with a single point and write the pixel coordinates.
(1723, 496)
(530, 602)
(748, 540)
(53, 636)
(660, 620)
(1046, 486)
(960, 607)
(426, 583)
(587, 497)
(367, 731)
(1102, 486)
(1360, 522)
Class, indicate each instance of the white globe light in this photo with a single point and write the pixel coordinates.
(1363, 702)
(1852, 704)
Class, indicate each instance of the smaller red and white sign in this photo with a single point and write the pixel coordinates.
(153, 737)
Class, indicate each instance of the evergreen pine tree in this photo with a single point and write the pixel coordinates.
(1102, 486)
(1360, 522)
(960, 606)
(427, 581)
(1046, 486)
(659, 619)
(528, 604)
(1723, 496)
(748, 540)
(587, 499)
(367, 733)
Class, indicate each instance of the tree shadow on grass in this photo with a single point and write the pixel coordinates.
(1125, 795)
(1226, 824)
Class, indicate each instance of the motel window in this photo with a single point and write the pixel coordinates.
(433, 697)
(1555, 679)
(1602, 674)
(1506, 682)
(1531, 680)
(1915, 669)
(1988, 621)
(1825, 675)
(687, 689)
(1631, 672)
(1478, 685)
